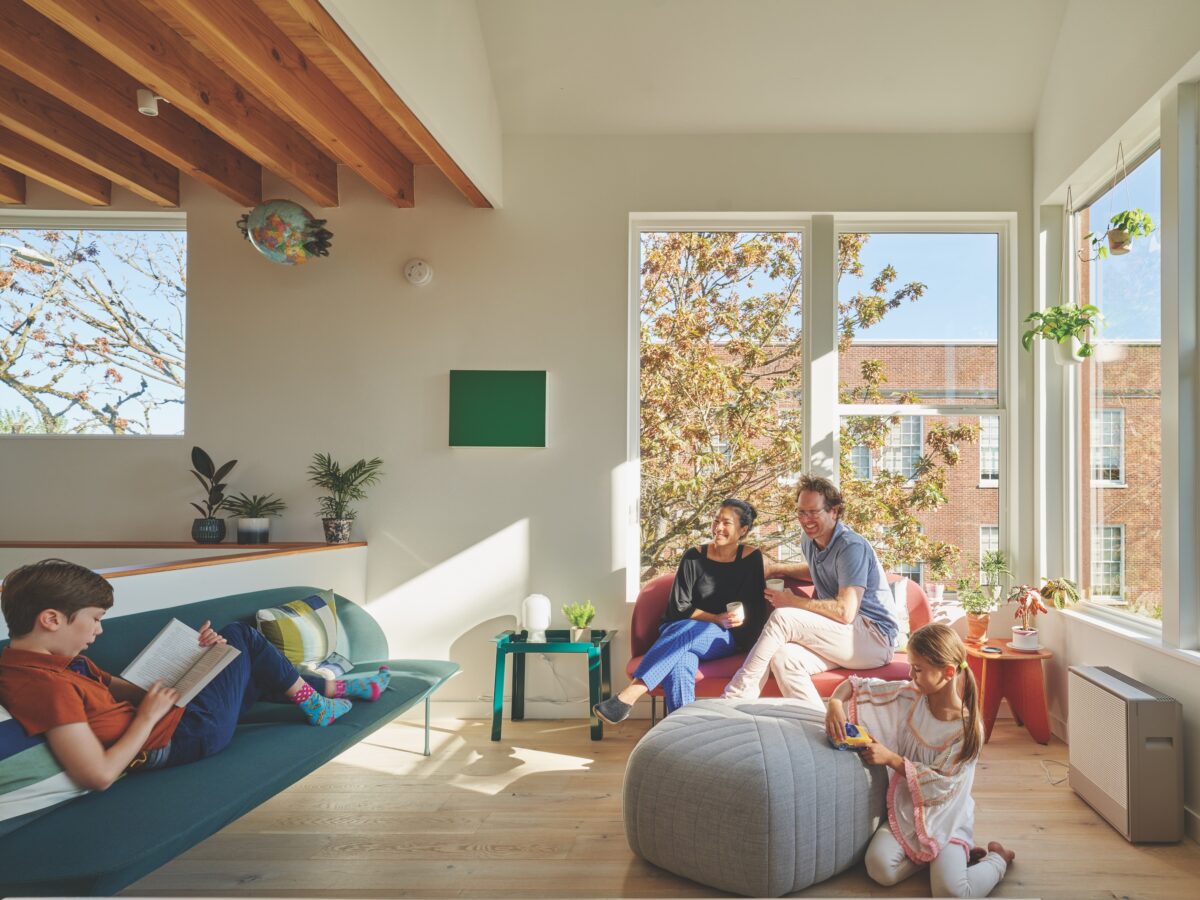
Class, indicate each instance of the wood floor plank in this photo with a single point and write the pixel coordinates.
(538, 815)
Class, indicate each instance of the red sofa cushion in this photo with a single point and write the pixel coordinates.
(714, 674)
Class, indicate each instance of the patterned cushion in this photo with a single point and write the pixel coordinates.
(31, 780)
(305, 631)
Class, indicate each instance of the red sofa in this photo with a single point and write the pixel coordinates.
(715, 674)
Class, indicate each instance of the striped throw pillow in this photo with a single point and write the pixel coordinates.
(31, 780)
(305, 631)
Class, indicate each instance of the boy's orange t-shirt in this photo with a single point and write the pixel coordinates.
(41, 692)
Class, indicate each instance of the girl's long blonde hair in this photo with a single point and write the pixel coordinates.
(943, 647)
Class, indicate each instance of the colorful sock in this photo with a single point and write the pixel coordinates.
(319, 711)
(367, 689)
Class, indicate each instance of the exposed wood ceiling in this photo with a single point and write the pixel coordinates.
(249, 85)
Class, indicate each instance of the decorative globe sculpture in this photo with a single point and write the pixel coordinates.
(285, 232)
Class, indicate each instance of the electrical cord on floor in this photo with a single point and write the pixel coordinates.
(1050, 779)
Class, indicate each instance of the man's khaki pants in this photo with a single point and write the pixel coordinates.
(797, 643)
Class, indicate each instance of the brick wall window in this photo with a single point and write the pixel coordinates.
(989, 451)
(860, 461)
(989, 540)
(1108, 446)
(907, 571)
(903, 446)
(1108, 561)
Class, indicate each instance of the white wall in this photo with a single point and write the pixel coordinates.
(343, 355)
(433, 55)
(1111, 59)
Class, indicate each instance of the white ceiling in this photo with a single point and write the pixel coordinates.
(769, 66)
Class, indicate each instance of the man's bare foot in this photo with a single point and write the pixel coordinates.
(975, 855)
(997, 847)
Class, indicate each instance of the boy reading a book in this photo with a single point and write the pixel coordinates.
(99, 725)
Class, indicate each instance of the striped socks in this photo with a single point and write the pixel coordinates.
(319, 711)
(367, 689)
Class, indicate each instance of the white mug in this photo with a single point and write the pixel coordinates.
(774, 584)
(736, 608)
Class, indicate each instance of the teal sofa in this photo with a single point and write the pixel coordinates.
(102, 842)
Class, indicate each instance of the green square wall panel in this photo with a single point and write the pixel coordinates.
(497, 408)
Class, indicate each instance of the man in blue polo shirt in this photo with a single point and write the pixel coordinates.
(851, 622)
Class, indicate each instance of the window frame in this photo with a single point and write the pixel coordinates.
(1119, 482)
(990, 482)
(102, 220)
(1119, 598)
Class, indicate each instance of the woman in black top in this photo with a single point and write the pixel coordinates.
(698, 624)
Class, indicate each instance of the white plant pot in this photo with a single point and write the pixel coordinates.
(1025, 638)
(1068, 354)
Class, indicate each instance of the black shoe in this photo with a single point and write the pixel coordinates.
(613, 710)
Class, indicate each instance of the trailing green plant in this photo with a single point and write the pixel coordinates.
(972, 598)
(1063, 322)
(254, 506)
(210, 477)
(579, 615)
(1134, 222)
(345, 486)
(1062, 592)
(994, 566)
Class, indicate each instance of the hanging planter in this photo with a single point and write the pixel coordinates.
(1123, 226)
(1069, 326)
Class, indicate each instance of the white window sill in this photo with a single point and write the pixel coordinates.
(1144, 634)
(1109, 484)
(989, 483)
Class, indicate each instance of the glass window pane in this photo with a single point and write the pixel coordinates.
(720, 385)
(989, 449)
(1120, 404)
(932, 516)
(93, 331)
(917, 318)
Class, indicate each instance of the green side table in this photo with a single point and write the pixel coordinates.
(557, 641)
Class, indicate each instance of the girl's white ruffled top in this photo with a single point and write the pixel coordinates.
(930, 803)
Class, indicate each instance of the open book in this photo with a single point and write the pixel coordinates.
(176, 658)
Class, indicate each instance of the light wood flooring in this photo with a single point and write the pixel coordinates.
(539, 815)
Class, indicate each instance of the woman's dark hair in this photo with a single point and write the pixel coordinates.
(746, 513)
(50, 584)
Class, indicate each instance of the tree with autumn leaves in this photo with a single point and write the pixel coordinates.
(94, 341)
(721, 372)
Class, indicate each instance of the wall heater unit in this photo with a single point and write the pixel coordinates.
(1126, 750)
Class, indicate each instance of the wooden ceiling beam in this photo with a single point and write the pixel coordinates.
(259, 53)
(12, 186)
(163, 61)
(46, 120)
(331, 36)
(38, 163)
(44, 55)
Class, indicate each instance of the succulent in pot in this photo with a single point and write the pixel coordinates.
(209, 529)
(253, 515)
(580, 616)
(345, 485)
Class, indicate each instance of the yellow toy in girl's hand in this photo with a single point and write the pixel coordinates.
(856, 738)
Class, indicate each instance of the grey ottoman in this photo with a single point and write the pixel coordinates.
(749, 798)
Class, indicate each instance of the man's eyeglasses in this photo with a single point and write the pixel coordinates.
(810, 513)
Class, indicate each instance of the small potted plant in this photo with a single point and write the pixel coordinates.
(1122, 229)
(580, 616)
(345, 486)
(1029, 604)
(1060, 592)
(253, 515)
(977, 605)
(994, 567)
(938, 569)
(1069, 326)
(209, 529)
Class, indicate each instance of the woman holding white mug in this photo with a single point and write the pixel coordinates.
(717, 608)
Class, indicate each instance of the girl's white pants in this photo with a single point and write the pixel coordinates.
(949, 875)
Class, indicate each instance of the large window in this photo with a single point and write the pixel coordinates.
(903, 446)
(1120, 402)
(92, 328)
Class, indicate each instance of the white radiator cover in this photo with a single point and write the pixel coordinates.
(1125, 741)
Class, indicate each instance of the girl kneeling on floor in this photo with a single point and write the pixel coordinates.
(928, 731)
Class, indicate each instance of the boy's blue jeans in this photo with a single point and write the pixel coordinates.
(259, 672)
(674, 658)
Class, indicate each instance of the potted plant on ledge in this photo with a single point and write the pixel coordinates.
(580, 616)
(994, 567)
(254, 512)
(1060, 592)
(209, 529)
(1069, 326)
(344, 486)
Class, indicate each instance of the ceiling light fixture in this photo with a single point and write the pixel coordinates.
(147, 102)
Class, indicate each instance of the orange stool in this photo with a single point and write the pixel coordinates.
(1016, 676)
